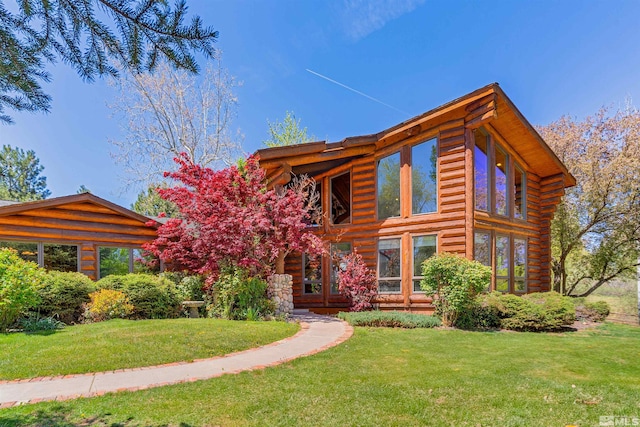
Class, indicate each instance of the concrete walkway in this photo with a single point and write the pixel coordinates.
(318, 333)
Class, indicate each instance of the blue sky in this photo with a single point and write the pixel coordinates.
(552, 58)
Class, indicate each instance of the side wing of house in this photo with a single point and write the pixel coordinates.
(470, 177)
(76, 233)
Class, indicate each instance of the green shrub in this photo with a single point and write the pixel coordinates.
(542, 311)
(107, 304)
(596, 311)
(236, 296)
(153, 297)
(63, 294)
(456, 281)
(390, 319)
(479, 315)
(19, 280)
(40, 324)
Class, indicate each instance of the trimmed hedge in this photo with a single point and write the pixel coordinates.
(390, 319)
(63, 294)
(153, 297)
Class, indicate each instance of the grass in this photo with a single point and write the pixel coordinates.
(393, 377)
(390, 319)
(120, 344)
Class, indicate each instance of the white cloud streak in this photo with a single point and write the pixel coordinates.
(363, 17)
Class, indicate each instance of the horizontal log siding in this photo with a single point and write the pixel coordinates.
(84, 224)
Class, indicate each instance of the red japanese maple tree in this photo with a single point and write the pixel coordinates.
(230, 218)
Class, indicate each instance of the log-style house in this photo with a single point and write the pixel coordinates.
(81, 233)
(471, 177)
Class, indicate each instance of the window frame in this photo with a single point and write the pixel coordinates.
(389, 278)
(333, 273)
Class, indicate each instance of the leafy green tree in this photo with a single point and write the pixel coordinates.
(287, 132)
(149, 203)
(141, 33)
(596, 228)
(82, 189)
(20, 178)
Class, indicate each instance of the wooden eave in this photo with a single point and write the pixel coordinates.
(487, 105)
(75, 199)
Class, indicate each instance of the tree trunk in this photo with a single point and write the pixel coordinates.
(280, 263)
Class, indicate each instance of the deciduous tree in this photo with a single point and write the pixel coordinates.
(230, 219)
(20, 178)
(287, 132)
(171, 112)
(96, 37)
(596, 228)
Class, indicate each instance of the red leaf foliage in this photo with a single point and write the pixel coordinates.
(357, 282)
(229, 218)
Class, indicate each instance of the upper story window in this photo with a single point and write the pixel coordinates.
(424, 188)
(389, 186)
(499, 182)
(341, 199)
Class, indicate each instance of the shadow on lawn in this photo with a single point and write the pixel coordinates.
(56, 417)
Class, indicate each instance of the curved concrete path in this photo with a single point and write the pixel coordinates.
(318, 333)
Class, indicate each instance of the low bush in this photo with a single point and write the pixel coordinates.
(595, 311)
(153, 297)
(479, 316)
(19, 281)
(357, 282)
(542, 311)
(107, 304)
(236, 296)
(456, 281)
(390, 319)
(40, 324)
(63, 295)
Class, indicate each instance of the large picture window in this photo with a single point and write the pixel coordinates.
(424, 188)
(60, 257)
(26, 250)
(388, 172)
(501, 206)
(389, 266)
(519, 193)
(423, 247)
(519, 265)
(113, 261)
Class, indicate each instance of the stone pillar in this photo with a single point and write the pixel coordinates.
(281, 292)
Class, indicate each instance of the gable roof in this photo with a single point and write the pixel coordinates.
(18, 207)
(487, 105)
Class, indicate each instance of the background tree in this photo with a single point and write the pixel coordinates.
(82, 189)
(149, 203)
(230, 220)
(596, 229)
(140, 32)
(20, 178)
(171, 112)
(287, 132)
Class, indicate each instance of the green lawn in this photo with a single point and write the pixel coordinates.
(389, 377)
(126, 344)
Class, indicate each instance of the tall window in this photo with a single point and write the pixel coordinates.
(389, 266)
(519, 193)
(481, 170)
(341, 199)
(312, 281)
(60, 257)
(338, 251)
(503, 263)
(482, 247)
(423, 247)
(519, 265)
(424, 188)
(501, 202)
(389, 186)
